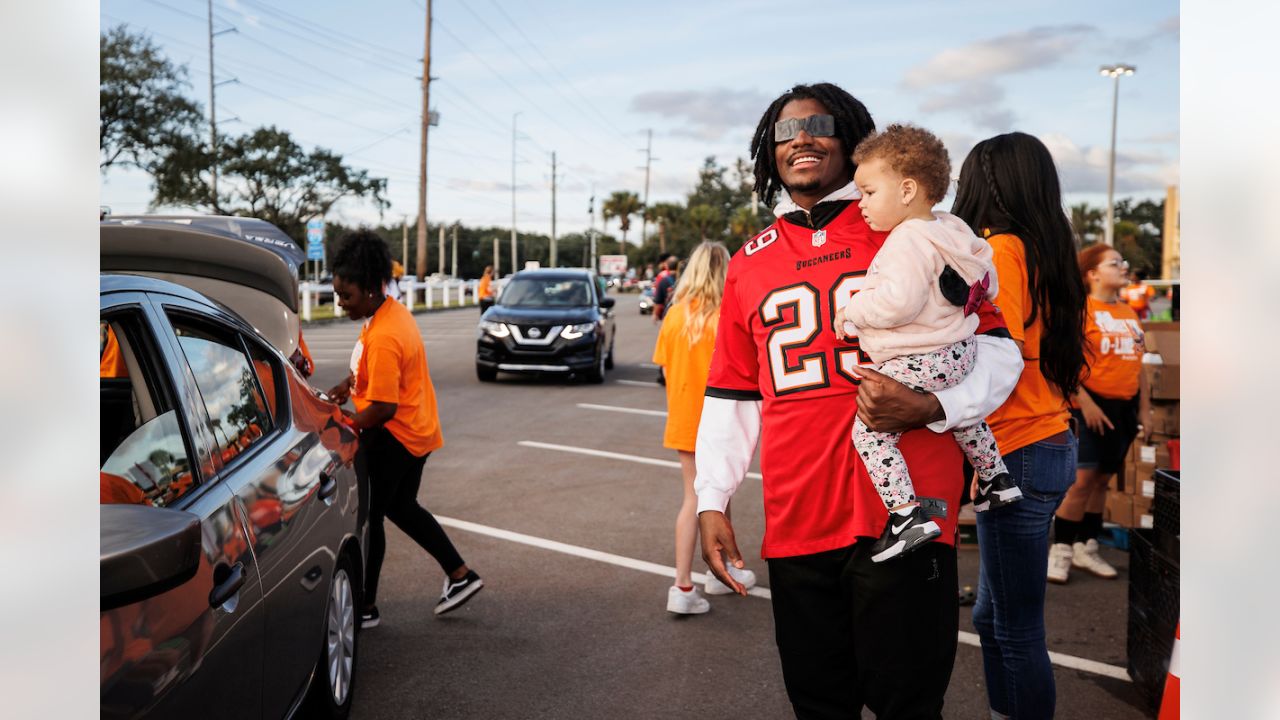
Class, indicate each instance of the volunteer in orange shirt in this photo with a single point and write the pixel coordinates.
(1009, 190)
(396, 417)
(1107, 408)
(1138, 293)
(485, 288)
(685, 342)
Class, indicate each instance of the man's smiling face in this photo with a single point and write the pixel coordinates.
(810, 167)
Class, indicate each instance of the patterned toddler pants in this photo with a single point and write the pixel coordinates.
(926, 372)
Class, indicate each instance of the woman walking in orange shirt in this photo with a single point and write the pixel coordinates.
(1106, 407)
(685, 342)
(1009, 191)
(395, 416)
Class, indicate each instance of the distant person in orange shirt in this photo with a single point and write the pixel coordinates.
(1137, 292)
(396, 417)
(1009, 191)
(685, 342)
(1107, 408)
(485, 288)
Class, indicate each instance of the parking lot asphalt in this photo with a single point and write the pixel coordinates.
(562, 497)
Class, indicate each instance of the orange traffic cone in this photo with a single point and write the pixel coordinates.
(1169, 704)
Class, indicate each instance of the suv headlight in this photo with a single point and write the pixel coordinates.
(495, 329)
(573, 332)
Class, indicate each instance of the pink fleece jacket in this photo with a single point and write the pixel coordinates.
(900, 309)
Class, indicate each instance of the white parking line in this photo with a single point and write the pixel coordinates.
(578, 551)
(633, 411)
(611, 455)
(637, 383)
(967, 638)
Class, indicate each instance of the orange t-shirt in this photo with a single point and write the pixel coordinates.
(485, 288)
(390, 365)
(110, 363)
(1139, 296)
(686, 368)
(1114, 346)
(1035, 410)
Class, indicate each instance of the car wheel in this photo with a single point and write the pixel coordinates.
(332, 687)
(595, 375)
(486, 374)
(608, 361)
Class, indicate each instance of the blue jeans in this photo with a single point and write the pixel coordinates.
(1013, 544)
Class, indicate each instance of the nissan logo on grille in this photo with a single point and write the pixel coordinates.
(535, 333)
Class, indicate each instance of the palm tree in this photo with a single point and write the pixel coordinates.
(744, 223)
(622, 205)
(702, 217)
(664, 214)
(1086, 224)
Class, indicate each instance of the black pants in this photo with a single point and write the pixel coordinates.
(854, 633)
(393, 476)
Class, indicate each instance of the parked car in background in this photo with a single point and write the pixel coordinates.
(547, 321)
(232, 534)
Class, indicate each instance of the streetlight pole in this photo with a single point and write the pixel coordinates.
(1113, 71)
(513, 191)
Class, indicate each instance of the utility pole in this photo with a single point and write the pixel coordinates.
(553, 208)
(404, 243)
(497, 270)
(421, 264)
(441, 263)
(455, 250)
(514, 268)
(591, 228)
(644, 211)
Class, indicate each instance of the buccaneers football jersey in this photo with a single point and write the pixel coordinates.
(775, 344)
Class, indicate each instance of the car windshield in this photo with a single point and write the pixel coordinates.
(546, 292)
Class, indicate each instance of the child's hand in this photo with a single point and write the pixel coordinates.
(845, 330)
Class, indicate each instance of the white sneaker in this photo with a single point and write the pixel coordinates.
(686, 603)
(1085, 556)
(1059, 563)
(713, 585)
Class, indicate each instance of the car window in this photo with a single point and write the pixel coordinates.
(228, 384)
(270, 377)
(144, 459)
(538, 292)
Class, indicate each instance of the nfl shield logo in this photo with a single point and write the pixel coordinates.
(820, 238)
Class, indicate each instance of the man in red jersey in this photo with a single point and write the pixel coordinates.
(850, 632)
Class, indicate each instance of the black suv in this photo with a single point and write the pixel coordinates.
(547, 321)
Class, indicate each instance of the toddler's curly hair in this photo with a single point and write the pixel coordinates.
(912, 152)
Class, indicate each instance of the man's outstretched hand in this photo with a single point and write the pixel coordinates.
(717, 537)
(886, 405)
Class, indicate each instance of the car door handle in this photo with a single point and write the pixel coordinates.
(225, 590)
(328, 485)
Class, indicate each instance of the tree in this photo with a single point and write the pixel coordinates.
(1139, 234)
(1086, 224)
(703, 217)
(265, 174)
(622, 205)
(142, 114)
(665, 215)
(744, 223)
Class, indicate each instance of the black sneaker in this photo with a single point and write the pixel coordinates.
(369, 618)
(904, 533)
(998, 492)
(457, 592)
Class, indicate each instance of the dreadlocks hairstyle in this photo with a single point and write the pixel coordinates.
(853, 123)
(1008, 184)
(364, 260)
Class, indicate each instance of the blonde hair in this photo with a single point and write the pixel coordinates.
(702, 285)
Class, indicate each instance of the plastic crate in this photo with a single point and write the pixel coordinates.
(1168, 502)
(1149, 649)
(1113, 535)
(1154, 579)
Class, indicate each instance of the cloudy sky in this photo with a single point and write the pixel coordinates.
(589, 79)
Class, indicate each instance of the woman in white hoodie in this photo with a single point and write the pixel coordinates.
(915, 317)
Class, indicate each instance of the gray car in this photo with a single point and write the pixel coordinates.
(232, 534)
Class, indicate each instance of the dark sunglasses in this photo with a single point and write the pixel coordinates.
(815, 125)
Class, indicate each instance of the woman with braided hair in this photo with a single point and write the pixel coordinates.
(396, 417)
(1009, 193)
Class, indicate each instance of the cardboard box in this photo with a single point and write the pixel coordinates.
(1163, 418)
(1164, 381)
(1119, 509)
(1143, 516)
(1163, 340)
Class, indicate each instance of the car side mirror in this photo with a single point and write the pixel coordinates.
(144, 551)
(607, 302)
(486, 303)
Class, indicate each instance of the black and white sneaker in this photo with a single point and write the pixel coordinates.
(369, 618)
(457, 592)
(904, 533)
(997, 492)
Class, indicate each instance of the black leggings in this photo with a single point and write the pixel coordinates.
(393, 475)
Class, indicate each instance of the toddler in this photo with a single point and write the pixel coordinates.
(915, 316)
